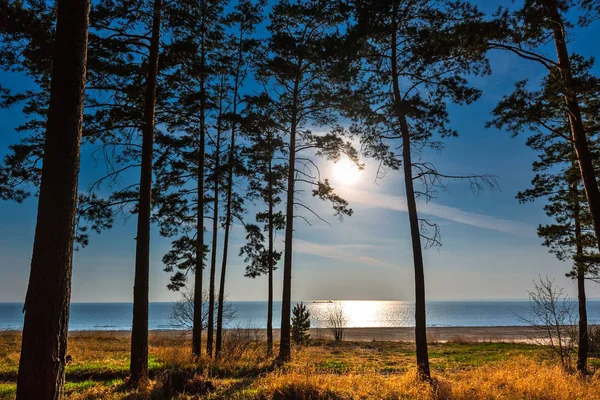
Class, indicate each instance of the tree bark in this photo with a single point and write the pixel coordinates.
(213, 257)
(270, 272)
(582, 350)
(231, 159)
(578, 134)
(197, 322)
(285, 350)
(139, 330)
(44, 342)
(420, 313)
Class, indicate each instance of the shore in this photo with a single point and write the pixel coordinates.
(523, 334)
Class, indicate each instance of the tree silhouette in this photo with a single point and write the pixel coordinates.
(558, 179)
(245, 16)
(42, 363)
(266, 183)
(415, 61)
(524, 32)
(299, 73)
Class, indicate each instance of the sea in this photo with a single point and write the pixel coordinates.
(253, 314)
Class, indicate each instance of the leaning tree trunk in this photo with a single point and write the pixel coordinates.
(215, 226)
(420, 314)
(270, 261)
(139, 331)
(285, 350)
(44, 343)
(228, 214)
(584, 157)
(582, 349)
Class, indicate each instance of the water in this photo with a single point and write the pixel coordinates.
(117, 316)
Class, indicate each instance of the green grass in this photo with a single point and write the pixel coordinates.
(101, 364)
(7, 390)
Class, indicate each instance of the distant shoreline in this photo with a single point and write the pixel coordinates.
(397, 334)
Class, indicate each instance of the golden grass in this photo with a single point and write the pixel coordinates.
(324, 370)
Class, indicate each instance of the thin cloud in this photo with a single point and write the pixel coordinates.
(398, 203)
(339, 253)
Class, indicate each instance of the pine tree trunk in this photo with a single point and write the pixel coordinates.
(213, 257)
(44, 342)
(219, 339)
(285, 350)
(420, 313)
(578, 134)
(582, 350)
(197, 318)
(270, 295)
(139, 330)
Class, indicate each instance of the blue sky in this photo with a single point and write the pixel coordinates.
(490, 248)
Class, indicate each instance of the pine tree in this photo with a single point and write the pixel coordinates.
(298, 73)
(300, 324)
(558, 180)
(525, 32)
(266, 183)
(198, 80)
(245, 16)
(415, 61)
(43, 356)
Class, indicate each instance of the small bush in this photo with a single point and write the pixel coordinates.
(175, 381)
(300, 324)
(242, 342)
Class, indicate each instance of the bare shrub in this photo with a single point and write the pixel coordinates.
(242, 342)
(552, 316)
(594, 340)
(182, 314)
(334, 318)
(462, 339)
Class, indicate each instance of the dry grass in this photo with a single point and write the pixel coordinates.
(462, 369)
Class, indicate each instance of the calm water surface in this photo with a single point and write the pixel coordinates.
(117, 316)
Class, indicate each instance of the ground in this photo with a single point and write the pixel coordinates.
(461, 369)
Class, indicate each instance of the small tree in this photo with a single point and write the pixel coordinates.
(336, 321)
(182, 314)
(300, 324)
(552, 316)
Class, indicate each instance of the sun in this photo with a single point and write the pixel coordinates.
(346, 172)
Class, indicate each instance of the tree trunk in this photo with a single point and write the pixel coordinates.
(285, 350)
(229, 200)
(213, 257)
(582, 350)
(584, 158)
(420, 314)
(139, 331)
(44, 342)
(197, 322)
(270, 295)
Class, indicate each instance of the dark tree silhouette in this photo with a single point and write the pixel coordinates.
(543, 113)
(266, 183)
(42, 362)
(139, 329)
(300, 72)
(415, 61)
(524, 32)
(245, 16)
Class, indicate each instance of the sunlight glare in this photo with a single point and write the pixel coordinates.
(346, 172)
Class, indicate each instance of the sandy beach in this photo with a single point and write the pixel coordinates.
(405, 334)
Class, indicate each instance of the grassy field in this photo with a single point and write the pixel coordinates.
(323, 370)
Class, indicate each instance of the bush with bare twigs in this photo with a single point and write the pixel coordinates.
(182, 314)
(552, 316)
(335, 320)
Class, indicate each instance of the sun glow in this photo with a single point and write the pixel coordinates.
(346, 172)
